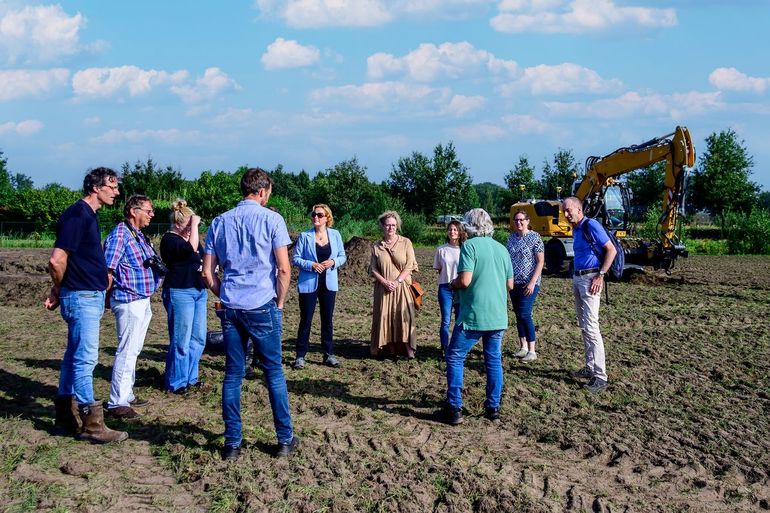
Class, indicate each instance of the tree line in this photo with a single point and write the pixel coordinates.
(420, 186)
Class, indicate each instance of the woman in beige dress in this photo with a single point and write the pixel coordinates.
(393, 314)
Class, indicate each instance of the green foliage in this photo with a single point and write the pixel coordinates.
(349, 227)
(42, 206)
(763, 200)
(522, 174)
(145, 178)
(496, 200)
(214, 193)
(293, 187)
(441, 185)
(646, 186)
(292, 213)
(748, 234)
(707, 247)
(561, 174)
(721, 182)
(412, 226)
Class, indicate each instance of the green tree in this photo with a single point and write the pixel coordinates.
(6, 186)
(148, 179)
(722, 180)
(434, 186)
(763, 200)
(293, 187)
(561, 174)
(213, 193)
(495, 199)
(522, 174)
(646, 185)
(347, 190)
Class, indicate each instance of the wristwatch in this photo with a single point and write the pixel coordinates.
(399, 280)
(602, 273)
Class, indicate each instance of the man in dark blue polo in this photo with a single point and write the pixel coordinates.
(250, 244)
(79, 274)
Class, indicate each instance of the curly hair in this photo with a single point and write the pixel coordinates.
(180, 213)
(478, 223)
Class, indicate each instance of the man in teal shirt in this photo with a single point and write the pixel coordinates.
(484, 277)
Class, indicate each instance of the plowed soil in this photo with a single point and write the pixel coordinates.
(683, 427)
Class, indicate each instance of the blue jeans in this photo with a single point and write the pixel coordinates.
(82, 310)
(445, 300)
(462, 342)
(522, 307)
(326, 299)
(186, 314)
(263, 324)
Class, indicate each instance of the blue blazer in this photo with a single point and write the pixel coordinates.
(305, 256)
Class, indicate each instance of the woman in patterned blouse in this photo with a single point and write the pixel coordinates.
(527, 255)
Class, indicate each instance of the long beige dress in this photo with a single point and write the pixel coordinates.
(393, 313)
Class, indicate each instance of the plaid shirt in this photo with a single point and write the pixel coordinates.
(125, 255)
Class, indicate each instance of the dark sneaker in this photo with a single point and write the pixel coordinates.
(331, 361)
(299, 363)
(138, 402)
(583, 373)
(287, 448)
(250, 374)
(596, 385)
(231, 452)
(451, 416)
(181, 391)
(123, 413)
(492, 414)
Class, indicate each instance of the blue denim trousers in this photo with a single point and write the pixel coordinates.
(462, 341)
(522, 307)
(82, 310)
(446, 306)
(186, 314)
(325, 299)
(263, 325)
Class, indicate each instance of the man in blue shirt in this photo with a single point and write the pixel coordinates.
(126, 251)
(250, 245)
(79, 275)
(587, 282)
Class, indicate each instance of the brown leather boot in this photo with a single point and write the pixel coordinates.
(67, 421)
(94, 429)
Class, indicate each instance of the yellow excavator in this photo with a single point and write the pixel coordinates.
(606, 199)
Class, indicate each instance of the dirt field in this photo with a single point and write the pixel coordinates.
(683, 427)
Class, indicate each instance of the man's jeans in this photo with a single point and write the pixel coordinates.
(462, 342)
(445, 300)
(587, 307)
(81, 310)
(263, 325)
(186, 315)
(522, 308)
(131, 320)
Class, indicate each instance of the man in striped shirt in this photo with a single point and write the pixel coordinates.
(132, 280)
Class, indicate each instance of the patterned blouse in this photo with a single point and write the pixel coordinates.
(523, 251)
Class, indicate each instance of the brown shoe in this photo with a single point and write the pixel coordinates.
(123, 413)
(67, 421)
(94, 430)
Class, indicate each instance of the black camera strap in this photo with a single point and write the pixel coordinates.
(139, 236)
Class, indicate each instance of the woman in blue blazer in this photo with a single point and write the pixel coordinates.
(318, 253)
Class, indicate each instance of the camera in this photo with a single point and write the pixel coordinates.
(156, 264)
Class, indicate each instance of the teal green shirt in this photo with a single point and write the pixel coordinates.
(484, 304)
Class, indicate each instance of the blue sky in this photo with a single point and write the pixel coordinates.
(309, 83)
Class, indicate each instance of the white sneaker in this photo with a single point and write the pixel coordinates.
(531, 356)
(521, 353)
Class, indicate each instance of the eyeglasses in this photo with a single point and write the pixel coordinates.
(389, 225)
(149, 212)
(318, 214)
(520, 219)
(113, 187)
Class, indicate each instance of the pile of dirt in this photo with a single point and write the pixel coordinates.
(356, 270)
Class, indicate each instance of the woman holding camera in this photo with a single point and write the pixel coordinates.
(318, 253)
(184, 296)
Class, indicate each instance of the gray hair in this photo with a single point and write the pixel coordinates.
(478, 223)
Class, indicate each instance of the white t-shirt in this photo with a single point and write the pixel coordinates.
(445, 260)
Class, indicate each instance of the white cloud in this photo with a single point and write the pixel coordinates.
(460, 105)
(92, 121)
(479, 132)
(105, 82)
(39, 34)
(283, 54)
(576, 16)
(429, 62)
(730, 79)
(27, 127)
(563, 78)
(213, 82)
(509, 125)
(633, 105)
(525, 124)
(167, 136)
(362, 13)
(24, 82)
(382, 96)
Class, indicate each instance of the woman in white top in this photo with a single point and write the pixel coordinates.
(445, 261)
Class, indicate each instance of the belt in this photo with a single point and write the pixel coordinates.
(586, 271)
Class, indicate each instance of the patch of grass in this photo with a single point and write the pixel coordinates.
(46, 455)
(223, 500)
(10, 458)
(27, 497)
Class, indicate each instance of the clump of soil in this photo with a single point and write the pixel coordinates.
(358, 251)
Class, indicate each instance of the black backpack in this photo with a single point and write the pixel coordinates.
(615, 272)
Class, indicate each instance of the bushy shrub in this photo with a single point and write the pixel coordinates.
(412, 226)
(349, 228)
(748, 234)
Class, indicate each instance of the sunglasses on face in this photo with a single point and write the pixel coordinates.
(318, 214)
